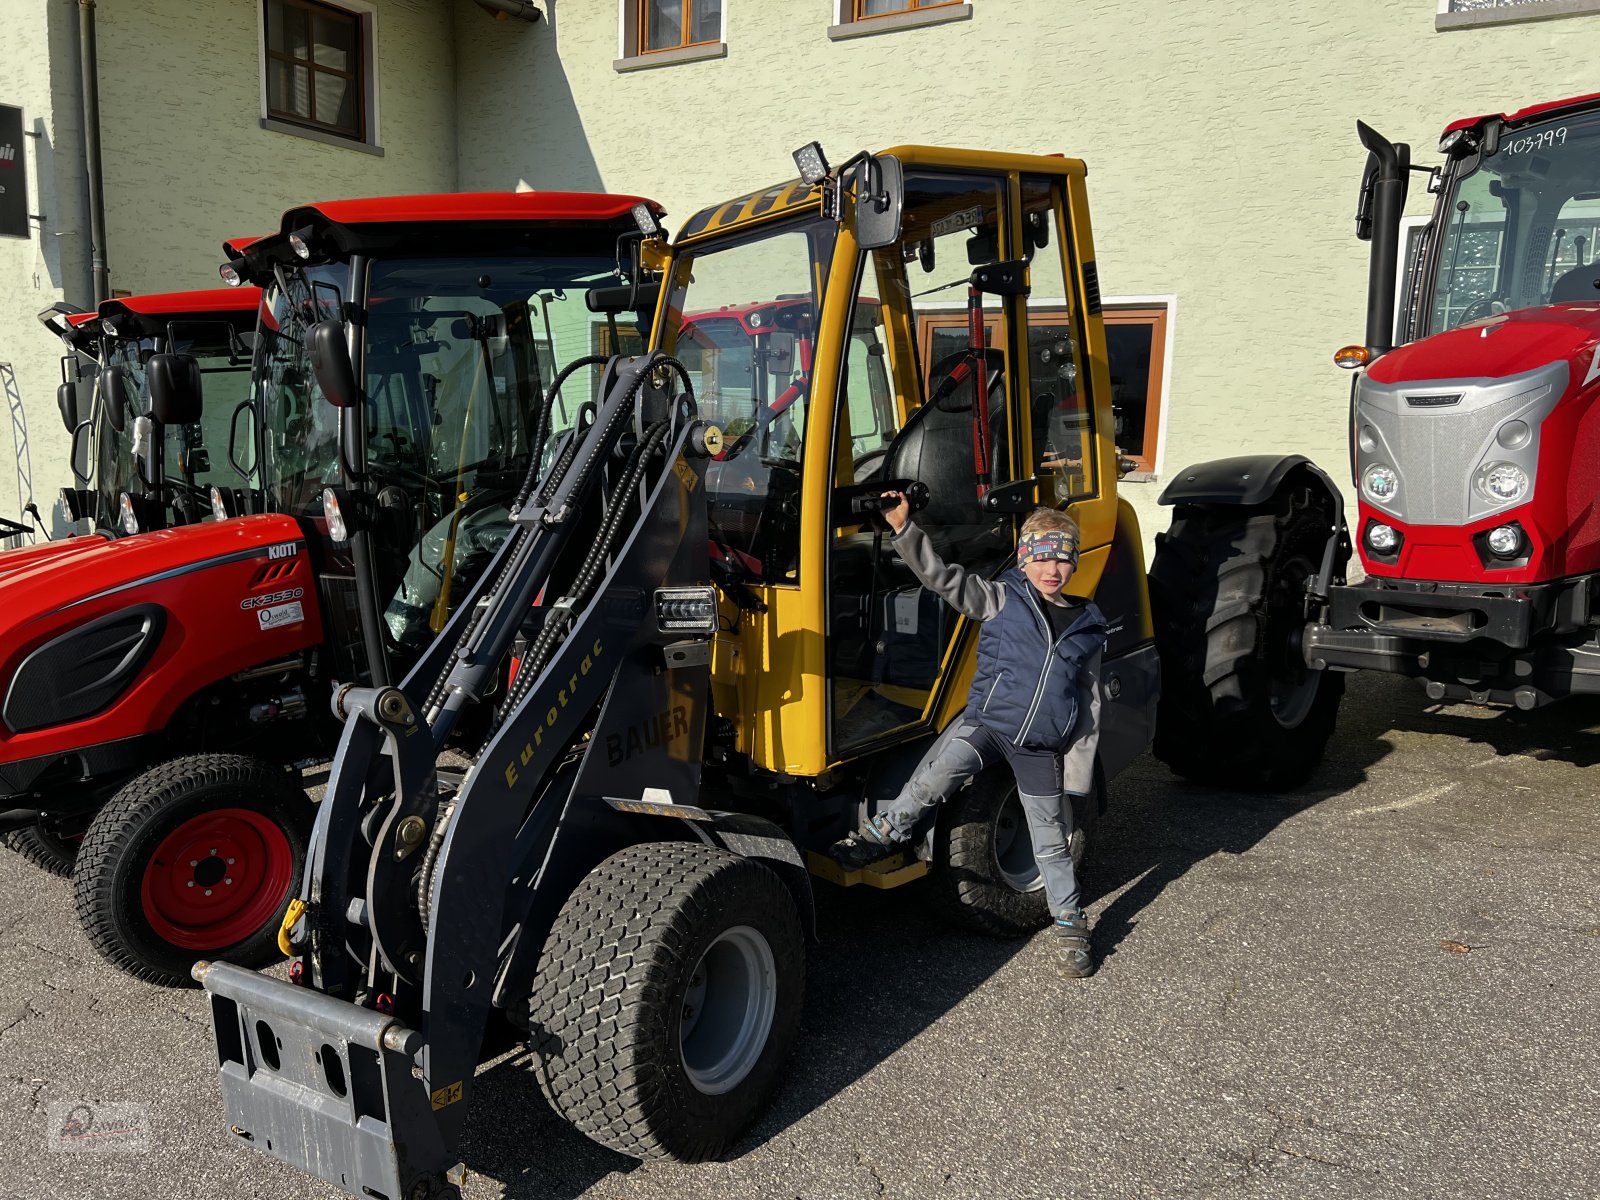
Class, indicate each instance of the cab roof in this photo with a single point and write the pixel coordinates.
(793, 194)
(1533, 111)
(161, 304)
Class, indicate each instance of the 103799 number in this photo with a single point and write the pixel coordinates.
(1544, 139)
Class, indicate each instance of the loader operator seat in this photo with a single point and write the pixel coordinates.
(1578, 286)
(935, 447)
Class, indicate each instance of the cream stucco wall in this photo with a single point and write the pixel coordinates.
(187, 162)
(38, 47)
(1220, 139)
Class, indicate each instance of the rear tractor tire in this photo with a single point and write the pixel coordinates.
(667, 999)
(1239, 706)
(985, 874)
(196, 858)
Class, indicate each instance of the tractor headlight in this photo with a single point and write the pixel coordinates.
(1504, 541)
(1501, 482)
(1381, 482)
(130, 519)
(1382, 539)
(219, 504)
(337, 529)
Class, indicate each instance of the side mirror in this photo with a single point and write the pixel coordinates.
(82, 451)
(244, 461)
(67, 402)
(777, 353)
(174, 388)
(880, 201)
(114, 395)
(624, 297)
(330, 362)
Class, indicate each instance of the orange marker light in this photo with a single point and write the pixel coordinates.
(1351, 357)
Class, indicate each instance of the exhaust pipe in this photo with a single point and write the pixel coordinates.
(1383, 203)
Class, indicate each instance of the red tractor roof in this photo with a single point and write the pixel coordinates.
(234, 247)
(161, 304)
(474, 206)
(1525, 114)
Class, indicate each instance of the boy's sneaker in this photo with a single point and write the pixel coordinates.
(1074, 955)
(872, 843)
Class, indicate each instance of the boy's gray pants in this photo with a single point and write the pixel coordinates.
(973, 747)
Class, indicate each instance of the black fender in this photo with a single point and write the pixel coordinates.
(1252, 479)
(755, 837)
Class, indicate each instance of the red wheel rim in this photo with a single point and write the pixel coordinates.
(216, 879)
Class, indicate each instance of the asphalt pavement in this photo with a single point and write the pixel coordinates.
(1384, 985)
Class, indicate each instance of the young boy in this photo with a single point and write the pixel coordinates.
(1035, 702)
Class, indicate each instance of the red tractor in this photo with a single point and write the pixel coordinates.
(161, 689)
(1475, 453)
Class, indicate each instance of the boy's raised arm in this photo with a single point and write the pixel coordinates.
(968, 594)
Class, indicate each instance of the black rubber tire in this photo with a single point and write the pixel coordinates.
(43, 849)
(608, 1000)
(1227, 600)
(124, 834)
(966, 874)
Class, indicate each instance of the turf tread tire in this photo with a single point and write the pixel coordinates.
(106, 879)
(43, 849)
(612, 975)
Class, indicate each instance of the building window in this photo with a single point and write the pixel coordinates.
(1138, 349)
(317, 67)
(1458, 14)
(675, 24)
(1136, 355)
(859, 18)
(656, 33)
(865, 9)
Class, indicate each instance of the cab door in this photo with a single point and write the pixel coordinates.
(928, 392)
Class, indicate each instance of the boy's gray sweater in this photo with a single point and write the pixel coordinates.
(982, 599)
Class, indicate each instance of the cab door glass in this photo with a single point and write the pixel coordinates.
(1060, 415)
(925, 397)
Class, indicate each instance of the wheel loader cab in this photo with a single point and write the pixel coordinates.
(962, 356)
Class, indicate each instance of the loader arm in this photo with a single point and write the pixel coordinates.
(421, 887)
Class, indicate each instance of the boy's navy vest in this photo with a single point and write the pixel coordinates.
(1026, 686)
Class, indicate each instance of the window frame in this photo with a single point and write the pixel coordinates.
(359, 78)
(632, 27)
(850, 21)
(1509, 12)
(641, 31)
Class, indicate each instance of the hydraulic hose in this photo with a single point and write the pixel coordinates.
(542, 430)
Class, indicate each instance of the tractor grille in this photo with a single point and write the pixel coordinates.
(1436, 437)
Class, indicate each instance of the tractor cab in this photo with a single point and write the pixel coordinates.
(958, 355)
(141, 465)
(405, 346)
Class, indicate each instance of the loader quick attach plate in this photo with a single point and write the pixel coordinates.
(325, 1086)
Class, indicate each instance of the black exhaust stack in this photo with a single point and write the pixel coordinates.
(1382, 204)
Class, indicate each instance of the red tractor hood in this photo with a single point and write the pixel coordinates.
(82, 570)
(1503, 345)
(217, 598)
(12, 561)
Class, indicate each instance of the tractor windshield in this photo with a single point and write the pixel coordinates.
(742, 317)
(457, 355)
(1519, 227)
(189, 452)
(114, 469)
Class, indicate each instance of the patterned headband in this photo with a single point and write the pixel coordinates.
(1062, 547)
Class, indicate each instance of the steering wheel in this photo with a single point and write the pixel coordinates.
(1484, 306)
(953, 376)
(865, 466)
